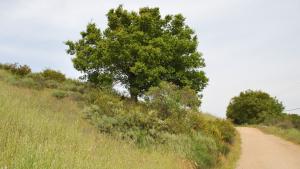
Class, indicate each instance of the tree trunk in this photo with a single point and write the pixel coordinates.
(133, 95)
(132, 90)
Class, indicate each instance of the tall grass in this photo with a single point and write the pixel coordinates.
(38, 131)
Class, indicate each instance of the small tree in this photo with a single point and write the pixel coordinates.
(139, 50)
(253, 107)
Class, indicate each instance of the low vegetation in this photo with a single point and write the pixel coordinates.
(38, 131)
(163, 131)
(168, 118)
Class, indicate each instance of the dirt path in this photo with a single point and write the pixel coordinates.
(263, 151)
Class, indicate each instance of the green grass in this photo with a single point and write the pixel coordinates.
(292, 134)
(38, 131)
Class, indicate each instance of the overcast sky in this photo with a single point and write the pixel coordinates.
(247, 44)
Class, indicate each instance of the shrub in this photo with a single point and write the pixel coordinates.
(110, 113)
(60, 94)
(36, 77)
(226, 129)
(143, 128)
(285, 123)
(50, 74)
(223, 133)
(282, 120)
(76, 96)
(169, 100)
(73, 85)
(10, 67)
(203, 151)
(21, 70)
(29, 83)
(198, 147)
(51, 84)
(25, 82)
(168, 117)
(12, 79)
(295, 119)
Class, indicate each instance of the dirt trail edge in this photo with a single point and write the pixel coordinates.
(264, 151)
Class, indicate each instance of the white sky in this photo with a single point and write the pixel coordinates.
(247, 44)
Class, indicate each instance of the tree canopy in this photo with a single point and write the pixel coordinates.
(139, 50)
(252, 107)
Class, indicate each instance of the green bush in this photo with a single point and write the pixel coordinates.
(47, 79)
(9, 66)
(284, 121)
(37, 77)
(60, 94)
(11, 79)
(76, 96)
(204, 151)
(21, 70)
(169, 100)
(52, 84)
(223, 133)
(226, 129)
(198, 147)
(295, 120)
(73, 85)
(29, 83)
(143, 128)
(290, 134)
(26, 82)
(50, 74)
(110, 113)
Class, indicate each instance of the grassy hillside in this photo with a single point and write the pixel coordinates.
(39, 131)
(49, 121)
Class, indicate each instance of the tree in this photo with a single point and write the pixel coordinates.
(253, 107)
(139, 50)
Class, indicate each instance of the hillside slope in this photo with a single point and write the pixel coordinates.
(40, 131)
